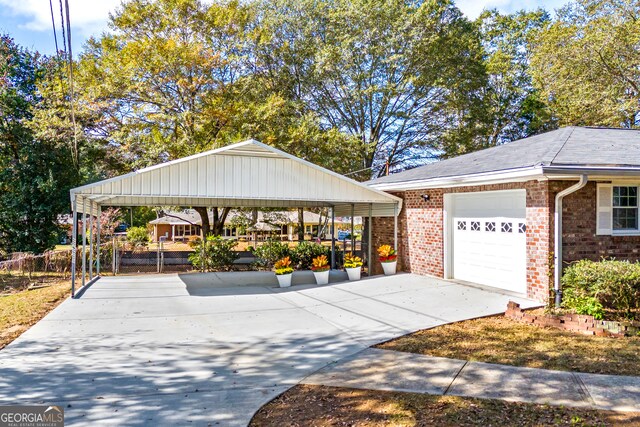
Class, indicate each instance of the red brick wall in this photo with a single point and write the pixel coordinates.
(579, 239)
(421, 237)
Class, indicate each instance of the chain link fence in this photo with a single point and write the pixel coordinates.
(117, 256)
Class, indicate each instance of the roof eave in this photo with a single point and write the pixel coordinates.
(493, 177)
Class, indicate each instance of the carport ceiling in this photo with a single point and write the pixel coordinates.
(247, 174)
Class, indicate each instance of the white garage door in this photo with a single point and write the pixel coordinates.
(489, 238)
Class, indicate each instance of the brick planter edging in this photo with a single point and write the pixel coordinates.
(580, 323)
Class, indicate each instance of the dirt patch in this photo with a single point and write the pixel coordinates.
(501, 340)
(329, 406)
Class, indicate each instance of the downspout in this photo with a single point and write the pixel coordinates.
(557, 268)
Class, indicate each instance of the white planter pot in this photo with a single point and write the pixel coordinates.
(284, 280)
(322, 277)
(354, 273)
(389, 267)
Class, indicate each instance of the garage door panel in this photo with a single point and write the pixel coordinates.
(489, 239)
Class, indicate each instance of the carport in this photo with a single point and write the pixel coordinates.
(248, 174)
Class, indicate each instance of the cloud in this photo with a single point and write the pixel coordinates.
(87, 17)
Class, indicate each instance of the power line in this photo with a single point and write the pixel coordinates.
(71, 94)
(64, 38)
(53, 24)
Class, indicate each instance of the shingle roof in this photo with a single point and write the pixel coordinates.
(569, 146)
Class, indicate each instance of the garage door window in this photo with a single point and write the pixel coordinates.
(625, 208)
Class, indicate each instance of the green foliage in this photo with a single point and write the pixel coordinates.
(583, 305)
(35, 173)
(214, 254)
(606, 285)
(395, 75)
(304, 253)
(586, 63)
(138, 237)
(269, 252)
(513, 108)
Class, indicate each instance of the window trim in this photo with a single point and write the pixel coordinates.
(629, 231)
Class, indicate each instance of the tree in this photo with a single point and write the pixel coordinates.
(35, 175)
(173, 80)
(512, 105)
(586, 63)
(388, 72)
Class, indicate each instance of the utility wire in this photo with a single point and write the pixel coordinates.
(53, 24)
(64, 38)
(71, 94)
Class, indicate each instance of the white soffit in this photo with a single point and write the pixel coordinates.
(247, 174)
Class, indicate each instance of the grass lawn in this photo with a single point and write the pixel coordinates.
(501, 340)
(328, 406)
(20, 310)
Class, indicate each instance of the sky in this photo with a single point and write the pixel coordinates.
(29, 21)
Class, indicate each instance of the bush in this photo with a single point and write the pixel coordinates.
(303, 254)
(214, 254)
(138, 237)
(268, 253)
(608, 285)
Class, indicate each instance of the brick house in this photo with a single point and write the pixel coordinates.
(489, 217)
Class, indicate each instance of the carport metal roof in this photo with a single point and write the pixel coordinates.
(247, 174)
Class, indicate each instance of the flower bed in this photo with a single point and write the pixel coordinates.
(581, 323)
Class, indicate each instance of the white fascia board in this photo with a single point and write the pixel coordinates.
(498, 177)
(594, 170)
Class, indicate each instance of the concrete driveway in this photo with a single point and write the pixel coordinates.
(177, 349)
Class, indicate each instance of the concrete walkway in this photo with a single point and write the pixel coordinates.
(377, 369)
(213, 348)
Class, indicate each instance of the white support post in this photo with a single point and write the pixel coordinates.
(369, 242)
(395, 227)
(91, 242)
(353, 230)
(84, 241)
(98, 239)
(74, 244)
(333, 238)
(114, 255)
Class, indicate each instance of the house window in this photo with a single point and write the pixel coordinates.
(625, 208)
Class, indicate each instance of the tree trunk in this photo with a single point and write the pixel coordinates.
(219, 216)
(300, 224)
(204, 220)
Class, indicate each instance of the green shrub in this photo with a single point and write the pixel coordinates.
(303, 254)
(607, 285)
(138, 237)
(268, 253)
(214, 254)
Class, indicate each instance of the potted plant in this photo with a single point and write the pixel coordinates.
(353, 266)
(388, 258)
(284, 272)
(320, 268)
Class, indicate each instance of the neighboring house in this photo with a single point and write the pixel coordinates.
(488, 217)
(186, 224)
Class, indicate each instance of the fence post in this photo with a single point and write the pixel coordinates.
(161, 256)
